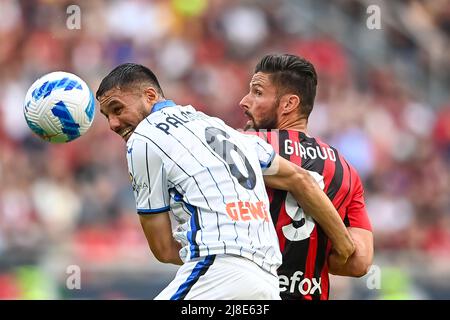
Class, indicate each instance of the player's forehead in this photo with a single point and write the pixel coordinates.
(115, 96)
(261, 79)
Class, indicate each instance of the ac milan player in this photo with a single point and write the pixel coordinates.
(282, 92)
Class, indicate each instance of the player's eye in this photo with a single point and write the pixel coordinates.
(258, 92)
(117, 110)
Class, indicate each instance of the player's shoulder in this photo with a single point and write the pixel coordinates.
(154, 130)
(141, 147)
(136, 143)
(340, 157)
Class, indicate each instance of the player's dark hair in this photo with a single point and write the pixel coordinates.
(291, 74)
(126, 75)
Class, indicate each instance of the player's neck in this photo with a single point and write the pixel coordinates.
(297, 124)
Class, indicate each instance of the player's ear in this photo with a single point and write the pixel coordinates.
(151, 95)
(290, 102)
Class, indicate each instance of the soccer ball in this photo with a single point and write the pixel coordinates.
(59, 107)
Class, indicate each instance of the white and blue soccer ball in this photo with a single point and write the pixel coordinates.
(59, 107)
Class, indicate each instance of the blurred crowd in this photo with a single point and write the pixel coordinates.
(383, 100)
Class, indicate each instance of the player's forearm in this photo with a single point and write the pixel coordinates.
(356, 266)
(315, 203)
(168, 254)
(174, 256)
(158, 231)
(360, 261)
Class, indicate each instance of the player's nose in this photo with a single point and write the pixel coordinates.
(114, 123)
(244, 103)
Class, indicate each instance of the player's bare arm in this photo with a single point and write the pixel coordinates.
(359, 262)
(314, 201)
(158, 231)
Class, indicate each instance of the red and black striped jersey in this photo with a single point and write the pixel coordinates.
(305, 247)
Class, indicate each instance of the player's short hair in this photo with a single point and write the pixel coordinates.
(127, 75)
(291, 74)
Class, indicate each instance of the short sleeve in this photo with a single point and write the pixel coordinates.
(148, 178)
(357, 216)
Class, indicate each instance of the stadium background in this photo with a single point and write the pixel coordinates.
(382, 100)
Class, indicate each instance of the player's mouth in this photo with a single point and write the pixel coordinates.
(250, 122)
(126, 133)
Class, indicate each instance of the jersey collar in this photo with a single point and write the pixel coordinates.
(163, 104)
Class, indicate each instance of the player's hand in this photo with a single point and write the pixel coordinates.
(337, 260)
(343, 250)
